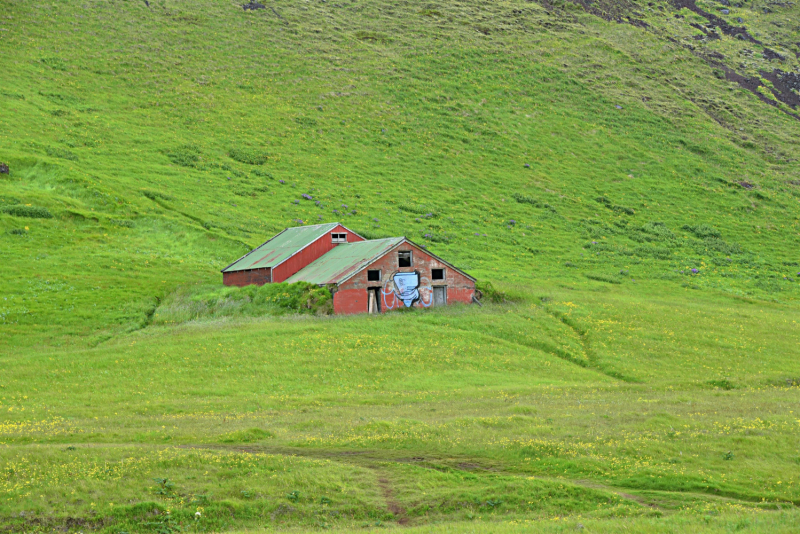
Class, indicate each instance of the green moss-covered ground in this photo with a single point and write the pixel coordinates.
(625, 173)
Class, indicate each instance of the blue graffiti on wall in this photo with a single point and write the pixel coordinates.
(405, 288)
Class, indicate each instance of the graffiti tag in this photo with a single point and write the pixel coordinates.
(406, 288)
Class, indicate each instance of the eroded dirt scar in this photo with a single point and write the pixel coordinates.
(252, 6)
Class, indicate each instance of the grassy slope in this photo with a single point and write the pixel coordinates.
(615, 387)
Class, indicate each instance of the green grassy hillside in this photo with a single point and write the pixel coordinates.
(625, 173)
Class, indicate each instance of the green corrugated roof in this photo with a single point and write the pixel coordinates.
(344, 261)
(280, 247)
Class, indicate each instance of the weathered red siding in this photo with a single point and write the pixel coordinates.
(460, 294)
(459, 287)
(246, 278)
(311, 253)
(346, 301)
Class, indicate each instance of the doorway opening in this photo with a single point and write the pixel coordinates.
(374, 301)
(439, 295)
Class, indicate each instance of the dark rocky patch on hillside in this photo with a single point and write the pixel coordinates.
(753, 84)
(252, 6)
(790, 79)
(620, 11)
(739, 32)
(771, 54)
(783, 86)
(784, 83)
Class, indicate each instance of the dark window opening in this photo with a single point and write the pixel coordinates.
(404, 259)
(437, 274)
(374, 276)
(339, 238)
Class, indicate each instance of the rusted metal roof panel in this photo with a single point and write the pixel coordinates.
(280, 247)
(343, 261)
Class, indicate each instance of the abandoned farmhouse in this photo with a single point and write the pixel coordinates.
(365, 276)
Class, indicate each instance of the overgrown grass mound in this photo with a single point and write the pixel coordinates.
(215, 301)
(33, 212)
(248, 156)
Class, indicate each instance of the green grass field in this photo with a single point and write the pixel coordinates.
(625, 176)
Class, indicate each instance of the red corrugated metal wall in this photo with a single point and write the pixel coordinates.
(311, 253)
(246, 278)
(459, 287)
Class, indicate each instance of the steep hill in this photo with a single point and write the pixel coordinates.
(625, 172)
(165, 140)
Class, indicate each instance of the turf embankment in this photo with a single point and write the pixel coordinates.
(625, 173)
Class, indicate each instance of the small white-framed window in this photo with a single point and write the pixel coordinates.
(437, 274)
(404, 258)
(338, 238)
(374, 275)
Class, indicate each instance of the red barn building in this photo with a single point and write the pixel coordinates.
(286, 253)
(365, 276)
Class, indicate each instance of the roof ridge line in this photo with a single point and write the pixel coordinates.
(313, 225)
(379, 239)
(298, 251)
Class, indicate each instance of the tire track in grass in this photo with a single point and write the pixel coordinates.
(591, 362)
(392, 504)
(373, 458)
(527, 343)
(588, 350)
(359, 458)
(616, 491)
